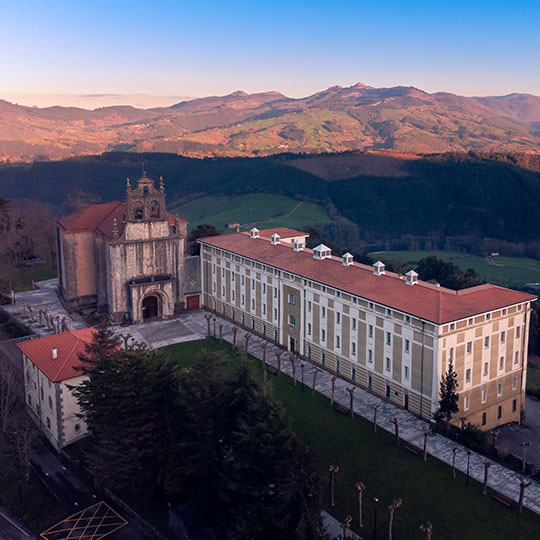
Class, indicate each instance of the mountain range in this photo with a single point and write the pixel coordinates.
(397, 120)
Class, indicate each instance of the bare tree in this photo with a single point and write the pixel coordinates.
(292, 358)
(427, 433)
(24, 437)
(360, 487)
(395, 421)
(208, 316)
(487, 465)
(524, 446)
(278, 356)
(220, 334)
(351, 405)
(454, 450)
(332, 470)
(316, 371)
(234, 331)
(10, 394)
(375, 408)
(346, 525)
(247, 336)
(264, 345)
(522, 486)
(396, 503)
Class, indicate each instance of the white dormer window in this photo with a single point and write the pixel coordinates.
(254, 233)
(298, 245)
(322, 252)
(275, 238)
(378, 268)
(412, 277)
(347, 259)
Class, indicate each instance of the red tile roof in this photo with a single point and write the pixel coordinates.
(282, 231)
(423, 300)
(99, 218)
(69, 345)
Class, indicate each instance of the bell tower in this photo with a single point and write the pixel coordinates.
(145, 202)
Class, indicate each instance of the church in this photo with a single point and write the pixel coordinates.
(126, 259)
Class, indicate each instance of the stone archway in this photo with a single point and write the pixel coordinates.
(151, 307)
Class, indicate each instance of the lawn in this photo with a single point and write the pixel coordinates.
(509, 270)
(264, 210)
(428, 490)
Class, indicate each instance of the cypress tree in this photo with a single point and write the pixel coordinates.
(448, 402)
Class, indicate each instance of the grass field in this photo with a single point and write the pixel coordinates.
(263, 210)
(508, 270)
(428, 490)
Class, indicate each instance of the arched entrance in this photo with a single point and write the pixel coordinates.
(150, 307)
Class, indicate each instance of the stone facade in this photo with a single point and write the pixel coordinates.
(125, 259)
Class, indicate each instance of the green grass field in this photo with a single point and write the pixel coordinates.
(428, 490)
(509, 270)
(263, 210)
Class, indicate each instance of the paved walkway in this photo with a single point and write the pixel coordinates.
(501, 478)
(45, 296)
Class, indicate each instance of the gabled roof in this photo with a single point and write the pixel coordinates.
(426, 301)
(283, 233)
(68, 344)
(99, 218)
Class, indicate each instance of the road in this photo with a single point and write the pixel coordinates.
(10, 528)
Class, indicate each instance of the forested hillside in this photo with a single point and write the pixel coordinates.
(460, 202)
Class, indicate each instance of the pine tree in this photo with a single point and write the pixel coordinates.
(448, 402)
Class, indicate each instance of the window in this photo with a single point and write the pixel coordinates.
(48, 422)
(233, 296)
(243, 299)
(407, 318)
(486, 342)
(253, 303)
(323, 359)
(388, 338)
(323, 288)
(499, 411)
(452, 326)
(323, 312)
(214, 269)
(223, 291)
(309, 306)
(468, 375)
(42, 396)
(275, 314)
(354, 324)
(488, 316)
(499, 390)
(264, 329)
(387, 391)
(29, 399)
(276, 335)
(370, 304)
(466, 403)
(503, 336)
(275, 292)
(264, 309)
(243, 280)
(323, 335)
(514, 383)
(252, 284)
(337, 365)
(519, 308)
(470, 322)
(370, 356)
(292, 298)
(484, 396)
(486, 368)
(451, 353)
(77, 428)
(353, 374)
(370, 330)
(514, 405)
(388, 363)
(50, 403)
(338, 317)
(501, 362)
(232, 276)
(469, 347)
(309, 351)
(338, 342)
(292, 320)
(407, 345)
(370, 382)
(407, 373)
(253, 324)
(233, 315)
(223, 272)
(483, 418)
(309, 329)
(504, 311)
(354, 348)
(243, 319)
(516, 358)
(389, 312)
(264, 288)
(213, 287)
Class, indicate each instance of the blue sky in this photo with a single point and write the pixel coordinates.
(215, 47)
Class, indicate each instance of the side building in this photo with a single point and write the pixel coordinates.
(391, 334)
(49, 370)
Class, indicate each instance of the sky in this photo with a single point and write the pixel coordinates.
(99, 51)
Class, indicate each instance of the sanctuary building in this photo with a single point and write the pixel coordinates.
(391, 334)
(126, 259)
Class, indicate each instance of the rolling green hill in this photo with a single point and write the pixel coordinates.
(263, 210)
(500, 270)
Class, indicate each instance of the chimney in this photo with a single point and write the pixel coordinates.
(254, 233)
(54, 353)
(378, 268)
(275, 239)
(322, 252)
(347, 259)
(412, 277)
(298, 245)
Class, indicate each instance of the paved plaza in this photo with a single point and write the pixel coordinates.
(411, 428)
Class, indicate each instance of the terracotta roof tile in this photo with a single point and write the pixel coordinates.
(99, 218)
(423, 300)
(282, 231)
(68, 344)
